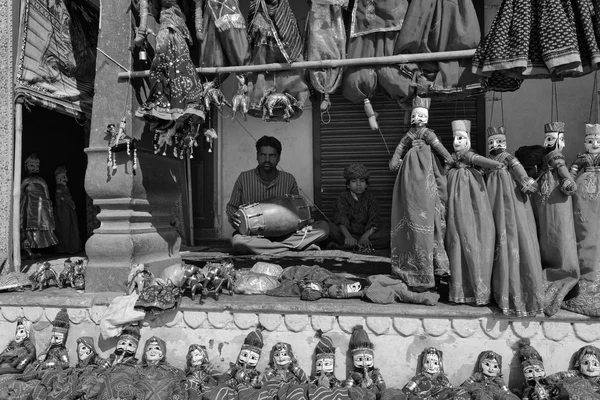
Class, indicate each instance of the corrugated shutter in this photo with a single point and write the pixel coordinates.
(347, 138)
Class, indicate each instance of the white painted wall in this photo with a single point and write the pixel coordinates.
(236, 152)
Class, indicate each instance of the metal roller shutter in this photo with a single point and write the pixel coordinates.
(347, 138)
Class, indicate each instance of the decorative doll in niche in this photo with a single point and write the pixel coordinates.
(517, 283)
(200, 376)
(175, 88)
(431, 382)
(487, 383)
(586, 208)
(19, 353)
(419, 198)
(37, 217)
(469, 235)
(554, 210)
(157, 379)
(67, 229)
(118, 379)
(364, 375)
(243, 374)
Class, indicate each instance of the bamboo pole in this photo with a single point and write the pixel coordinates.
(188, 181)
(16, 206)
(384, 60)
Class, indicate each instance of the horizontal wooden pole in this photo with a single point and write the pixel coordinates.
(384, 60)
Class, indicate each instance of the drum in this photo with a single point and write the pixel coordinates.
(274, 217)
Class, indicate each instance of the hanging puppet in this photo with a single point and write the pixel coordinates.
(156, 378)
(200, 377)
(431, 382)
(554, 208)
(469, 236)
(326, 40)
(487, 381)
(37, 216)
(364, 373)
(585, 170)
(67, 228)
(517, 283)
(275, 38)
(419, 200)
(175, 89)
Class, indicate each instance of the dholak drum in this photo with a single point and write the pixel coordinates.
(274, 217)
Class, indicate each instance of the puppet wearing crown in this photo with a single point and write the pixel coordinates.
(325, 364)
(554, 211)
(200, 376)
(517, 283)
(419, 198)
(20, 352)
(157, 379)
(487, 381)
(37, 217)
(67, 228)
(364, 373)
(469, 236)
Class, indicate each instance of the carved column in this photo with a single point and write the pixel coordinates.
(135, 205)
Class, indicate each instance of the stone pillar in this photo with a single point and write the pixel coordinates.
(135, 205)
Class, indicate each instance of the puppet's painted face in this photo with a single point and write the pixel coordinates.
(126, 345)
(534, 372)
(363, 359)
(83, 352)
(432, 364)
(281, 358)
(354, 287)
(589, 365)
(497, 142)
(20, 334)
(61, 179)
(325, 364)
(554, 140)
(248, 358)
(154, 352)
(419, 116)
(57, 338)
(33, 166)
(197, 357)
(490, 367)
(592, 144)
(462, 142)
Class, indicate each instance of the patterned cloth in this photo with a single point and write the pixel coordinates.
(118, 382)
(433, 387)
(175, 89)
(586, 209)
(558, 243)
(470, 231)
(483, 387)
(517, 272)
(160, 382)
(418, 212)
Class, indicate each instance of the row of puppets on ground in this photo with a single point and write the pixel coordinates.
(50, 375)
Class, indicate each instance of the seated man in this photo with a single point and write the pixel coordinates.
(265, 182)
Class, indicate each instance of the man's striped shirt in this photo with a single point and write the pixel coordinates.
(250, 188)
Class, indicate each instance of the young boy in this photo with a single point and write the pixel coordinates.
(356, 215)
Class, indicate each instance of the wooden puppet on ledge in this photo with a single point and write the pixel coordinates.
(486, 382)
(469, 235)
(517, 272)
(364, 375)
(37, 216)
(18, 354)
(67, 228)
(200, 375)
(156, 378)
(554, 208)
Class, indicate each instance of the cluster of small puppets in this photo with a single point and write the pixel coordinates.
(123, 376)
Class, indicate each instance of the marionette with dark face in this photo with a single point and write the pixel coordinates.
(20, 352)
(325, 364)
(67, 228)
(538, 385)
(244, 371)
(487, 381)
(200, 375)
(283, 366)
(364, 373)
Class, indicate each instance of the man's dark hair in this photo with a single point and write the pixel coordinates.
(269, 141)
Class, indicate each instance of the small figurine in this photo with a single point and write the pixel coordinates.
(213, 96)
(37, 214)
(43, 275)
(157, 379)
(241, 101)
(200, 376)
(117, 138)
(325, 363)
(138, 278)
(271, 100)
(158, 297)
(73, 273)
(470, 237)
(20, 352)
(553, 206)
(219, 277)
(365, 374)
(431, 382)
(211, 136)
(193, 279)
(486, 381)
(67, 228)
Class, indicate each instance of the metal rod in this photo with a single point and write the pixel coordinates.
(16, 206)
(384, 60)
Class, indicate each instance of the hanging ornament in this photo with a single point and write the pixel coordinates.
(213, 96)
(272, 100)
(210, 136)
(119, 141)
(241, 101)
(163, 137)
